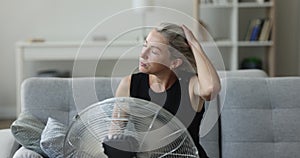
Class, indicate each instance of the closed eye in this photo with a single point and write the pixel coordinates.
(155, 50)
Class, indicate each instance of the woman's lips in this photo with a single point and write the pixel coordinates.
(143, 64)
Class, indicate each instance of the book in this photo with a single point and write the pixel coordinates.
(249, 31)
(266, 30)
(256, 29)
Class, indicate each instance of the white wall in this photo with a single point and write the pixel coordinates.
(55, 20)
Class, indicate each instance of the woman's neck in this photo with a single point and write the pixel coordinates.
(160, 83)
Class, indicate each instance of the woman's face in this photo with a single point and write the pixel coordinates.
(155, 56)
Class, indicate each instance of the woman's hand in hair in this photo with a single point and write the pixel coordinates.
(189, 36)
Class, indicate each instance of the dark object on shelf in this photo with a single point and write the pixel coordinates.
(251, 63)
(53, 73)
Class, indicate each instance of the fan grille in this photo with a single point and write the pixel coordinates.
(158, 132)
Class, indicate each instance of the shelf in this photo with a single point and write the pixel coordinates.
(226, 5)
(221, 43)
(230, 23)
(255, 43)
(77, 51)
(255, 5)
(73, 44)
(239, 5)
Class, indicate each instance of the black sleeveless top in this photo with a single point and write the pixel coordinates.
(176, 100)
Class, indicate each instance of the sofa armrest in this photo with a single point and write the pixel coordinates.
(8, 145)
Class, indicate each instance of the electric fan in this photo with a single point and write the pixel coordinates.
(132, 125)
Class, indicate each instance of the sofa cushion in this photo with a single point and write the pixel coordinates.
(246, 118)
(285, 101)
(27, 131)
(52, 138)
(47, 97)
(260, 117)
(26, 153)
(63, 98)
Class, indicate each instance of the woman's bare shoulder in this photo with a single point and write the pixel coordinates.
(194, 85)
(126, 79)
(124, 87)
(194, 80)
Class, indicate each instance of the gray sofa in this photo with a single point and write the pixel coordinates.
(258, 115)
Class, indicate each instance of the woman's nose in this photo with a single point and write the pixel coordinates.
(144, 53)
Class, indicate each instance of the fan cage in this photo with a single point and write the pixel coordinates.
(158, 132)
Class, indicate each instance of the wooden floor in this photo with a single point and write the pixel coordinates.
(5, 123)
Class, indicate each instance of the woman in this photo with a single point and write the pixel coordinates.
(166, 76)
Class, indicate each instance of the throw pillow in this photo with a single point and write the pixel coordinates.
(26, 153)
(27, 131)
(52, 139)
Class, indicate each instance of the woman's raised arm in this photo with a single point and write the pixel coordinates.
(208, 85)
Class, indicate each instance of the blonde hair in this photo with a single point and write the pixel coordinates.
(178, 43)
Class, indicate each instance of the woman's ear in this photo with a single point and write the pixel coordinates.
(176, 63)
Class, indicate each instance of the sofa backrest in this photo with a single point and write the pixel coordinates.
(260, 117)
(242, 73)
(210, 126)
(62, 98)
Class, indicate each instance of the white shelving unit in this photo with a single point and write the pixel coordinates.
(227, 22)
(67, 51)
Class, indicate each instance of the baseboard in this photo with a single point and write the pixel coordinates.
(7, 111)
